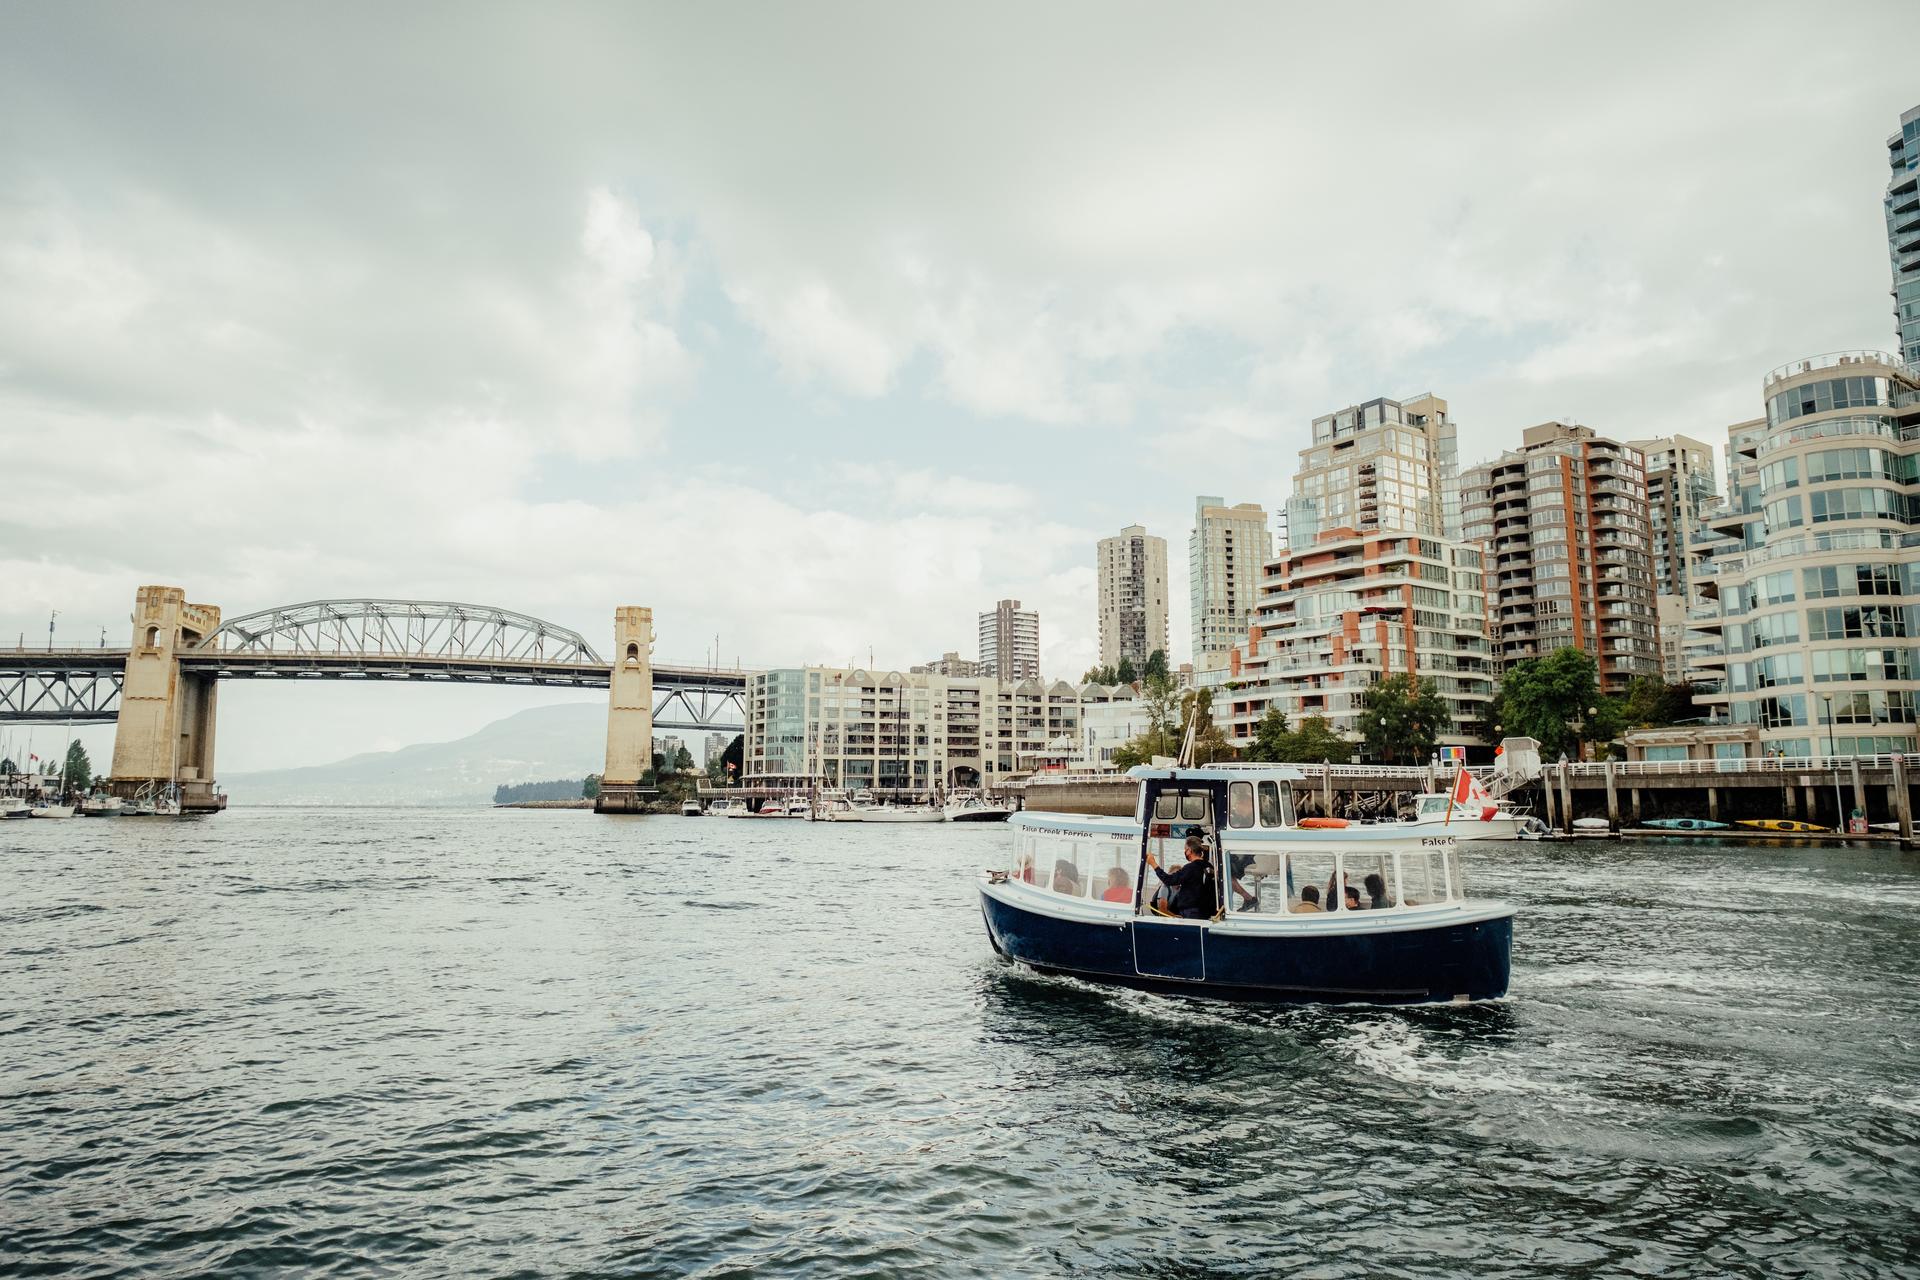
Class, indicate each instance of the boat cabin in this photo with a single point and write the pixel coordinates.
(1245, 817)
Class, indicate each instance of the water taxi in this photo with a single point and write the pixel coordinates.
(1318, 914)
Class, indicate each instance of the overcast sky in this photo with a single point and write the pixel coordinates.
(820, 328)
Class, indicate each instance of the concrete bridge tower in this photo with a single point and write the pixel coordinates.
(165, 732)
(629, 712)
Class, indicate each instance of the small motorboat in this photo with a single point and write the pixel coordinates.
(15, 807)
(1780, 824)
(49, 809)
(731, 807)
(100, 806)
(971, 806)
(1316, 916)
(690, 809)
(1686, 824)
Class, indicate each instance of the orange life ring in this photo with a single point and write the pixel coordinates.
(1309, 824)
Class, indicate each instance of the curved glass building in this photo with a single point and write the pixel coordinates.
(1819, 603)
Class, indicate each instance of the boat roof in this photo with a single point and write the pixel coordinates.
(1218, 773)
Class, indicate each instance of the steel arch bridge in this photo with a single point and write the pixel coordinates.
(368, 640)
(412, 628)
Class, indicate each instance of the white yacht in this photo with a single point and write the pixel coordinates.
(971, 806)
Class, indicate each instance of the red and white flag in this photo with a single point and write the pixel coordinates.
(1468, 793)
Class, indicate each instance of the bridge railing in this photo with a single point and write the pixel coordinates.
(1743, 764)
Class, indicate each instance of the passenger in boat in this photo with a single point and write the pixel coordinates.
(1066, 878)
(1026, 869)
(1376, 891)
(1237, 864)
(1192, 885)
(1309, 901)
(1118, 887)
(1352, 899)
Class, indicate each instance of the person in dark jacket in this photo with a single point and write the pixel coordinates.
(1192, 885)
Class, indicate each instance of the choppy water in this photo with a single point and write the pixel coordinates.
(431, 1043)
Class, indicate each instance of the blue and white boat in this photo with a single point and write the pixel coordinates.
(1301, 914)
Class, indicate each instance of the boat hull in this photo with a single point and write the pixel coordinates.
(978, 815)
(1459, 955)
(902, 815)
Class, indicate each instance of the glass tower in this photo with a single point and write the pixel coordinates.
(1903, 232)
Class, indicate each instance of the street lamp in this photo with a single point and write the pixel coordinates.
(1839, 813)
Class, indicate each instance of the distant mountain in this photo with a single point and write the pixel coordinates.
(566, 741)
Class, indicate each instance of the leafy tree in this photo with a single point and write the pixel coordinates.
(1209, 744)
(1542, 698)
(683, 760)
(8, 766)
(1156, 664)
(1271, 736)
(734, 758)
(1401, 719)
(1161, 698)
(1126, 672)
(1316, 740)
(590, 787)
(1129, 754)
(77, 773)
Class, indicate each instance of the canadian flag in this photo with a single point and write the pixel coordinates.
(1467, 792)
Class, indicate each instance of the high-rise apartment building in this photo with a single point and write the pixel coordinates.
(1903, 232)
(1350, 610)
(1225, 554)
(1818, 591)
(1010, 642)
(1133, 596)
(1680, 484)
(1569, 551)
(1385, 464)
(950, 663)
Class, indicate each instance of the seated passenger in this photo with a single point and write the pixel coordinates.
(1309, 901)
(1192, 885)
(1352, 899)
(1377, 891)
(1026, 869)
(1119, 889)
(1066, 878)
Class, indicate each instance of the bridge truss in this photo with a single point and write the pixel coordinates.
(414, 628)
(368, 640)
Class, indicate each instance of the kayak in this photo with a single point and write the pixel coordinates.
(1686, 824)
(1780, 824)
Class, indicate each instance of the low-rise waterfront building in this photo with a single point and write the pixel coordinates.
(1818, 596)
(915, 732)
(1351, 609)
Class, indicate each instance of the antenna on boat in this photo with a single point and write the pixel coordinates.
(1186, 745)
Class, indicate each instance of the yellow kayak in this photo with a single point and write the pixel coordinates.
(1780, 824)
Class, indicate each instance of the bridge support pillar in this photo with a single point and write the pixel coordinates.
(165, 730)
(1791, 803)
(1713, 804)
(629, 713)
(1859, 787)
(1902, 799)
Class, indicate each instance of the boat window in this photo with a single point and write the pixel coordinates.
(1193, 806)
(1114, 868)
(1373, 874)
(1259, 884)
(1240, 804)
(1166, 805)
(1310, 879)
(1068, 872)
(1421, 879)
(1456, 878)
(1270, 804)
